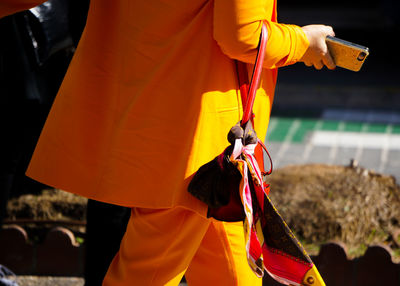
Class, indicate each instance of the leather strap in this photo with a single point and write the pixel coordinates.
(248, 91)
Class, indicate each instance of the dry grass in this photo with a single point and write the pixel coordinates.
(349, 204)
(320, 203)
(48, 205)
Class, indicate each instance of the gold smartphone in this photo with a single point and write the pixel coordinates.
(346, 54)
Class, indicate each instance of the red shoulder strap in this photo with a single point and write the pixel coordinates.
(248, 91)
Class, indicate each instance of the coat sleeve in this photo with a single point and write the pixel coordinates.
(237, 28)
(8, 7)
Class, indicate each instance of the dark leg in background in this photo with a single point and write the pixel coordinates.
(106, 225)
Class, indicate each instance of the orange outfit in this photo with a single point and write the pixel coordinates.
(151, 94)
(149, 97)
(214, 251)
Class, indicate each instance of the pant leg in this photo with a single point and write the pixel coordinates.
(157, 247)
(221, 258)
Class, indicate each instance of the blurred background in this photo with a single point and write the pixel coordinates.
(335, 116)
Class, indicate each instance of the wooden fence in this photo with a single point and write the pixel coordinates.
(60, 255)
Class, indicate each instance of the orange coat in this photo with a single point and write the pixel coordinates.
(151, 94)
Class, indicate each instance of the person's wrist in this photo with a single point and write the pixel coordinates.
(302, 44)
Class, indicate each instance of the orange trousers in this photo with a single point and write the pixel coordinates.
(160, 246)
